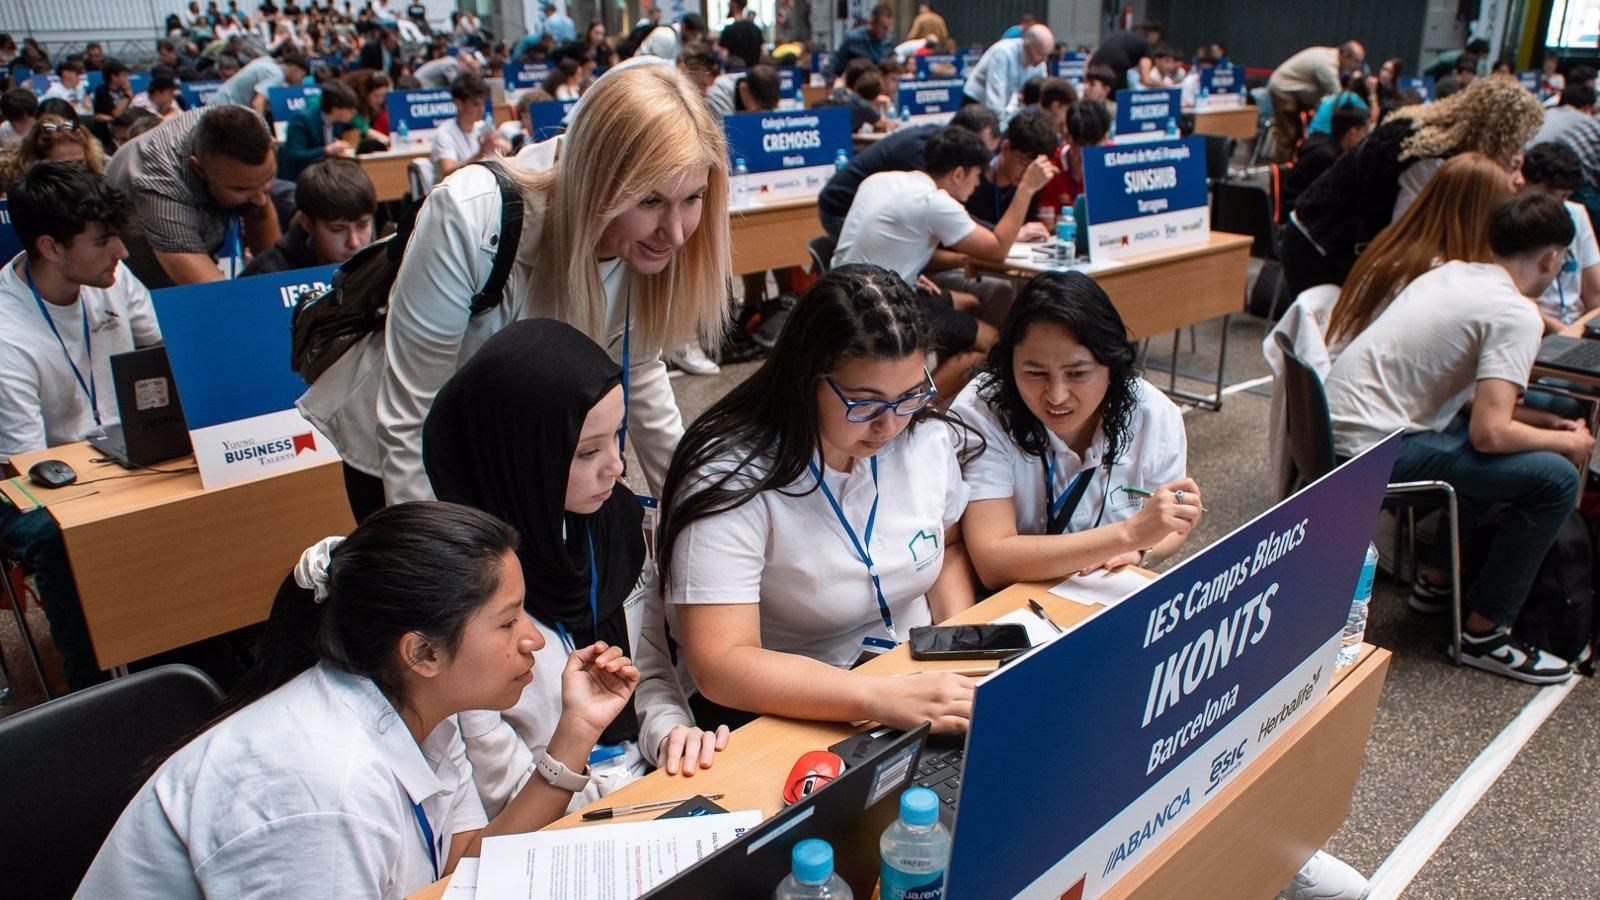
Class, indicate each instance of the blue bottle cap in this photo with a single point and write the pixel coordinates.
(919, 806)
(812, 861)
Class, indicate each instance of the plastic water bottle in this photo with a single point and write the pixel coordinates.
(840, 161)
(403, 133)
(915, 850)
(1172, 128)
(741, 171)
(905, 115)
(1355, 624)
(1067, 234)
(811, 875)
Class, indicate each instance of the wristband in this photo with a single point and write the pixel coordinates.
(559, 776)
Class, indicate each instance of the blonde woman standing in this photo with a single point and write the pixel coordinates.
(625, 237)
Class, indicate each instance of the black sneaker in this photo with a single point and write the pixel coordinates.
(1501, 653)
(774, 313)
(1430, 598)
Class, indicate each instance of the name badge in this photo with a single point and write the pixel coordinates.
(871, 648)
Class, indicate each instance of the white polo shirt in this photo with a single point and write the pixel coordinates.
(1157, 452)
(897, 219)
(791, 555)
(450, 142)
(1562, 299)
(41, 403)
(307, 791)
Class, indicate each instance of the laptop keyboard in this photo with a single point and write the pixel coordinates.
(939, 770)
(1581, 355)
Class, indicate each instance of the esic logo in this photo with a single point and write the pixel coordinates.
(1226, 763)
(266, 452)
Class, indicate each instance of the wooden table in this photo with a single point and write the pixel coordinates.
(864, 139)
(161, 562)
(774, 235)
(1169, 290)
(1301, 788)
(387, 169)
(1240, 123)
(815, 95)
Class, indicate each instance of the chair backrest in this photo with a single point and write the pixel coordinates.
(71, 765)
(1219, 151)
(1245, 208)
(1307, 420)
(821, 249)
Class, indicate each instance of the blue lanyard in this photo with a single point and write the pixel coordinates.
(89, 389)
(863, 547)
(427, 838)
(232, 245)
(1057, 502)
(622, 436)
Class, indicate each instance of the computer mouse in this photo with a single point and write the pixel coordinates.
(811, 773)
(51, 473)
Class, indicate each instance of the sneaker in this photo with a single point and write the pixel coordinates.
(774, 313)
(693, 360)
(1430, 598)
(1503, 654)
(1325, 877)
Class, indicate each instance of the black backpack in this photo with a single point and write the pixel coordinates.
(325, 325)
(1559, 615)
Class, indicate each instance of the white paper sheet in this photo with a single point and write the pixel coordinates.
(1109, 588)
(612, 861)
(463, 881)
(1022, 257)
(1039, 631)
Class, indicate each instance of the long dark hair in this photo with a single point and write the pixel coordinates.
(424, 567)
(770, 419)
(1075, 302)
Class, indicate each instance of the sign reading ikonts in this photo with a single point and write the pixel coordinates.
(1145, 197)
(1148, 115)
(931, 102)
(789, 154)
(229, 346)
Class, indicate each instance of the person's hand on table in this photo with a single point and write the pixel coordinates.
(942, 698)
(336, 148)
(686, 749)
(596, 684)
(1031, 232)
(1116, 562)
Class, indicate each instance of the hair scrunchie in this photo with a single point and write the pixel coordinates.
(311, 572)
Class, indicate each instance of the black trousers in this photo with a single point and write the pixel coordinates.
(364, 491)
(1304, 266)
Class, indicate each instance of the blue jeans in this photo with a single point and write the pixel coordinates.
(1538, 489)
(34, 539)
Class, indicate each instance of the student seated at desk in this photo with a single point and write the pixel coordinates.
(338, 767)
(1028, 136)
(468, 137)
(1553, 168)
(1466, 331)
(899, 220)
(334, 205)
(315, 132)
(756, 90)
(1088, 125)
(860, 91)
(1077, 462)
(527, 431)
(371, 88)
(808, 514)
(66, 305)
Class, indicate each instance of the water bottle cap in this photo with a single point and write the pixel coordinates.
(919, 806)
(811, 861)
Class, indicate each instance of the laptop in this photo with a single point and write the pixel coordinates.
(938, 768)
(152, 429)
(1580, 356)
(850, 813)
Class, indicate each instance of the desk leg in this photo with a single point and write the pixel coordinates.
(119, 671)
(1212, 401)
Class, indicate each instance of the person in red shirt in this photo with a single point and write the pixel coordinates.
(1088, 125)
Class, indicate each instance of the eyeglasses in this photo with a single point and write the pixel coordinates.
(867, 410)
(53, 127)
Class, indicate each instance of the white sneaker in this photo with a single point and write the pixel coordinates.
(1325, 877)
(693, 360)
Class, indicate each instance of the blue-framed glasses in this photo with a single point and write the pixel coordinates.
(867, 410)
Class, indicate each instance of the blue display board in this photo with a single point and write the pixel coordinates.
(931, 101)
(789, 153)
(424, 109)
(1145, 197)
(549, 118)
(287, 102)
(1085, 754)
(1531, 80)
(1071, 65)
(229, 343)
(1148, 115)
(1221, 79)
(791, 80)
(198, 93)
(521, 76)
(1422, 87)
(10, 243)
(139, 81)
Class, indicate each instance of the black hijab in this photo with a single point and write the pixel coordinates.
(501, 437)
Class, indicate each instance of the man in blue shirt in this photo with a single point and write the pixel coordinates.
(871, 41)
(559, 26)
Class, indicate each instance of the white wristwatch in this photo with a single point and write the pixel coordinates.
(559, 776)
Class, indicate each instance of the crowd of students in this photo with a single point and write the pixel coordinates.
(913, 439)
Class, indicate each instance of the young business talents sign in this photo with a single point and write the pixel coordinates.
(789, 152)
(931, 102)
(229, 346)
(1145, 197)
(1221, 87)
(1132, 722)
(1148, 115)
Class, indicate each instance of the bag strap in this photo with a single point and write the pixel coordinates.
(1057, 523)
(511, 207)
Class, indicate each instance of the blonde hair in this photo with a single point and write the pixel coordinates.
(634, 130)
(37, 144)
(1448, 221)
(1495, 116)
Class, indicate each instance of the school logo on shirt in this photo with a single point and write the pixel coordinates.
(924, 547)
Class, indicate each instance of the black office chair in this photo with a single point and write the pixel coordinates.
(1310, 427)
(821, 249)
(72, 765)
(1219, 152)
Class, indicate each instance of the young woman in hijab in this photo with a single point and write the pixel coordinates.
(527, 431)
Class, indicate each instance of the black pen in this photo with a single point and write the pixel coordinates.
(1039, 611)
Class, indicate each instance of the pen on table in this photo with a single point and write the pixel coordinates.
(612, 811)
(1039, 611)
(1146, 494)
